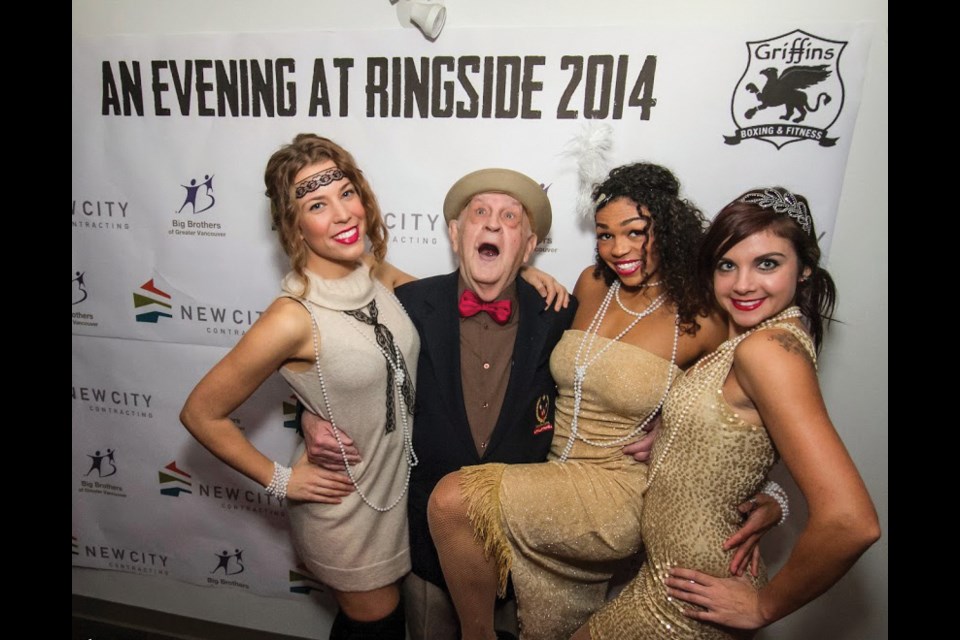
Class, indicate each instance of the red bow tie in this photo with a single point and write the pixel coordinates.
(471, 305)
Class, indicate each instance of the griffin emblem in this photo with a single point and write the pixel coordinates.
(787, 90)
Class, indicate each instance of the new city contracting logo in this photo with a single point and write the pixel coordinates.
(213, 319)
(174, 481)
(134, 404)
(302, 582)
(129, 560)
(100, 214)
(141, 299)
(290, 413)
(791, 90)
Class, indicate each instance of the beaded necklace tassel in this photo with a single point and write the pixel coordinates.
(400, 380)
(580, 369)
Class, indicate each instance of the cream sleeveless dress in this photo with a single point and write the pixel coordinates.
(350, 546)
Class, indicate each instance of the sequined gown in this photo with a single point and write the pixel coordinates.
(560, 529)
(350, 546)
(705, 462)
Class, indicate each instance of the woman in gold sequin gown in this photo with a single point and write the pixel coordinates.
(560, 528)
(725, 422)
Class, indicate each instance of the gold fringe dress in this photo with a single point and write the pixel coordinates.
(561, 529)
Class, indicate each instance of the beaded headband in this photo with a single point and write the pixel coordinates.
(317, 180)
(784, 202)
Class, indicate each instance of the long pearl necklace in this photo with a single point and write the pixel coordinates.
(398, 379)
(580, 370)
(705, 381)
(638, 314)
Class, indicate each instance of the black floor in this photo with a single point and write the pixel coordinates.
(95, 619)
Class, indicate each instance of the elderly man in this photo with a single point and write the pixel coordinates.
(484, 390)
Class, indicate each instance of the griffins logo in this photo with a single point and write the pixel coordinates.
(790, 91)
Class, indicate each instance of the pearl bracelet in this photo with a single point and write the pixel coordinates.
(278, 484)
(777, 492)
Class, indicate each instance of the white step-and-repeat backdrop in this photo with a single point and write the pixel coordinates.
(174, 257)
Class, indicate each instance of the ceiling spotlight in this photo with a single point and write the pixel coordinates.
(427, 15)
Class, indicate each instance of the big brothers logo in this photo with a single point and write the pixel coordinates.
(103, 464)
(198, 197)
(546, 246)
(229, 564)
(790, 91)
(81, 318)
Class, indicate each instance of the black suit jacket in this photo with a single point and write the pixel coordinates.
(441, 433)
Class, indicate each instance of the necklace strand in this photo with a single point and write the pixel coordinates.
(411, 456)
(705, 381)
(580, 371)
(638, 314)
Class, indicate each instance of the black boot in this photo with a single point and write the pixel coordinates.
(393, 627)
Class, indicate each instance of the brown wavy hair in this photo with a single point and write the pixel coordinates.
(678, 227)
(816, 294)
(285, 164)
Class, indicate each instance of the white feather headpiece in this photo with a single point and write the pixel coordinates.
(590, 148)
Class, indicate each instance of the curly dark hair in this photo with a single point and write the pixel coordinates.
(816, 294)
(678, 227)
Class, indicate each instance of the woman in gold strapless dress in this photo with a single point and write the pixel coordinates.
(725, 422)
(560, 528)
